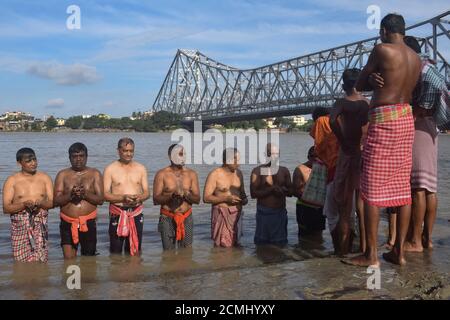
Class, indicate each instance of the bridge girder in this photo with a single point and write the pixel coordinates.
(200, 88)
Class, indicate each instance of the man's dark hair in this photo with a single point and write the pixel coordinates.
(25, 153)
(320, 112)
(124, 142)
(225, 154)
(349, 77)
(172, 146)
(412, 43)
(77, 147)
(393, 23)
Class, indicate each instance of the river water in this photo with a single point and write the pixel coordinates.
(304, 269)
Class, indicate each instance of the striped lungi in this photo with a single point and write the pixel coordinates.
(387, 156)
(425, 152)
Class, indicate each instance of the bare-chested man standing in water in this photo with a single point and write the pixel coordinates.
(126, 188)
(78, 192)
(27, 195)
(270, 185)
(175, 189)
(224, 189)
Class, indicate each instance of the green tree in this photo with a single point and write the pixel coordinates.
(51, 123)
(75, 122)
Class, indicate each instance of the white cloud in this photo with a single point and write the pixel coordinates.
(55, 103)
(68, 75)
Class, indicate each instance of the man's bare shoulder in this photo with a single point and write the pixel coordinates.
(216, 171)
(139, 166)
(162, 172)
(112, 165)
(12, 178)
(257, 170)
(384, 48)
(93, 171)
(284, 170)
(191, 172)
(42, 175)
(64, 172)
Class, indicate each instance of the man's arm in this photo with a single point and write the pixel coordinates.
(8, 195)
(287, 190)
(210, 187)
(60, 199)
(362, 84)
(144, 183)
(244, 199)
(95, 198)
(297, 183)
(48, 202)
(159, 198)
(255, 192)
(334, 123)
(193, 195)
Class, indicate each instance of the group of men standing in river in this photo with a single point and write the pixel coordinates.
(79, 190)
(366, 147)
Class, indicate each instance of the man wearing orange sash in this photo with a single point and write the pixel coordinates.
(78, 192)
(126, 188)
(175, 189)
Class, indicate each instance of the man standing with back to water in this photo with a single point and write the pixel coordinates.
(78, 192)
(224, 189)
(270, 185)
(387, 154)
(27, 195)
(426, 103)
(175, 189)
(348, 120)
(126, 188)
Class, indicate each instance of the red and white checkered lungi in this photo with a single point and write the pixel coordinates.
(387, 156)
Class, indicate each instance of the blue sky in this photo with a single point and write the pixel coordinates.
(117, 61)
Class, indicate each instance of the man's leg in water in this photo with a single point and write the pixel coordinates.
(418, 209)
(396, 255)
(370, 257)
(430, 217)
(69, 252)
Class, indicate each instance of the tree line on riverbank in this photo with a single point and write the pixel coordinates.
(159, 121)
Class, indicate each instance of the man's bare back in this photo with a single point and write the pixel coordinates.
(90, 179)
(400, 68)
(350, 114)
(271, 190)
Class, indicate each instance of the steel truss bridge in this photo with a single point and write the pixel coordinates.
(200, 88)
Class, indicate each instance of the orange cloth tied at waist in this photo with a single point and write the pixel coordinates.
(126, 226)
(179, 220)
(80, 222)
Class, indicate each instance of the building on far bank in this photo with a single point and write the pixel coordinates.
(104, 116)
(299, 120)
(270, 123)
(16, 120)
(61, 122)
